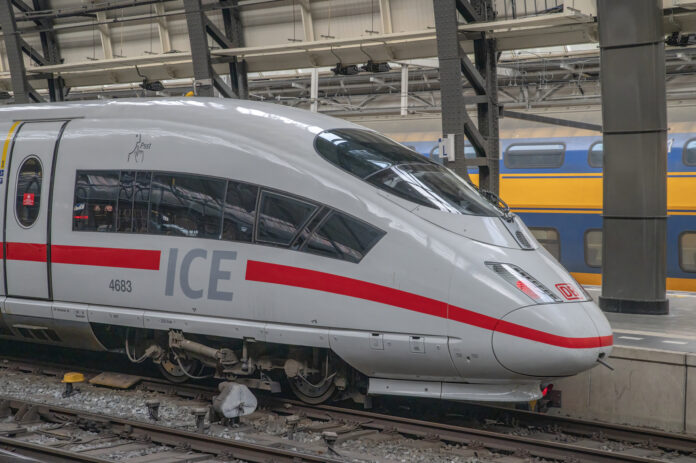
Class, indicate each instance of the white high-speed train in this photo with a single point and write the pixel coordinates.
(262, 243)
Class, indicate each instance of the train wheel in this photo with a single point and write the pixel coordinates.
(312, 393)
(172, 371)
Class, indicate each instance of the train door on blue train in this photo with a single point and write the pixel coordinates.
(27, 207)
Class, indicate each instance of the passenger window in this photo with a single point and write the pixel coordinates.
(343, 237)
(687, 251)
(593, 248)
(281, 217)
(28, 199)
(549, 238)
(538, 156)
(240, 212)
(96, 201)
(689, 156)
(595, 156)
(186, 205)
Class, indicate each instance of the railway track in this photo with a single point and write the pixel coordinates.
(503, 432)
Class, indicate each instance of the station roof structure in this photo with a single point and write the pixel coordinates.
(549, 52)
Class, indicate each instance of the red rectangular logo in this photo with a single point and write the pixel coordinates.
(568, 291)
(28, 199)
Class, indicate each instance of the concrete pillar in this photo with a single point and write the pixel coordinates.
(404, 89)
(634, 120)
(314, 89)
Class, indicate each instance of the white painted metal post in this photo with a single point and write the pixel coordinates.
(314, 90)
(404, 89)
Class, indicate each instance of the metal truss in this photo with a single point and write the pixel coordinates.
(17, 47)
(481, 76)
(200, 27)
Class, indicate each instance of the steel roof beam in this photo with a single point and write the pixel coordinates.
(22, 90)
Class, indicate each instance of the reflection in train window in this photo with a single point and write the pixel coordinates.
(595, 155)
(689, 156)
(343, 237)
(535, 156)
(124, 221)
(28, 200)
(687, 251)
(549, 238)
(593, 248)
(186, 205)
(96, 201)
(280, 217)
(240, 212)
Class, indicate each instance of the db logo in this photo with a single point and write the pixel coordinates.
(568, 291)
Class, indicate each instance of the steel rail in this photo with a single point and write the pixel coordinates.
(163, 435)
(448, 432)
(463, 435)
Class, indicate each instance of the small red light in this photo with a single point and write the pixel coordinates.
(525, 289)
(81, 217)
(546, 390)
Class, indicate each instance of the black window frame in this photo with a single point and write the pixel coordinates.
(589, 155)
(558, 234)
(584, 246)
(307, 228)
(16, 193)
(331, 212)
(692, 164)
(562, 157)
(680, 249)
(186, 174)
(300, 228)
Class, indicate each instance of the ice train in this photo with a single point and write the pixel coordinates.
(275, 246)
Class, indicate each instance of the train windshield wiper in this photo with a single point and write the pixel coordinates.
(497, 202)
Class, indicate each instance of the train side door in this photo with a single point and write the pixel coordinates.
(26, 243)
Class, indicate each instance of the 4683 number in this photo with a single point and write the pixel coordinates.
(121, 286)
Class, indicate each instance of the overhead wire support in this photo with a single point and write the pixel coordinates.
(482, 76)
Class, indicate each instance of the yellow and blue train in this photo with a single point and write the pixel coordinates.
(552, 178)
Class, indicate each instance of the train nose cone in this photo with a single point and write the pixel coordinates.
(552, 339)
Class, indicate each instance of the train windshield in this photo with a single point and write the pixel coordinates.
(401, 171)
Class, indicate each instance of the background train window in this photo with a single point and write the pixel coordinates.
(536, 156)
(186, 205)
(28, 199)
(239, 212)
(96, 201)
(343, 237)
(687, 251)
(280, 217)
(595, 155)
(593, 248)
(549, 238)
(689, 156)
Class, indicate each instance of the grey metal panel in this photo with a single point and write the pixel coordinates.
(629, 22)
(634, 113)
(635, 174)
(629, 247)
(635, 77)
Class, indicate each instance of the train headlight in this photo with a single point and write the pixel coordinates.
(524, 282)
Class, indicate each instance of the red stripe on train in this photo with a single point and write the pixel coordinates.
(311, 279)
(139, 259)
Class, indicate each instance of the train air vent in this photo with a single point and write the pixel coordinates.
(524, 242)
(25, 333)
(53, 336)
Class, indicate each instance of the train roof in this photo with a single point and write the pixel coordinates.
(240, 116)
